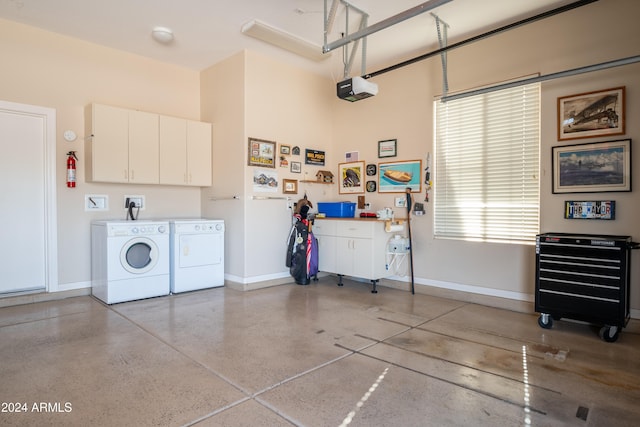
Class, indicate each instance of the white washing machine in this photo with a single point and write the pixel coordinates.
(197, 254)
(129, 260)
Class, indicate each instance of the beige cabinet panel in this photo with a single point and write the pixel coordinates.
(107, 150)
(123, 146)
(185, 152)
(173, 151)
(130, 146)
(143, 148)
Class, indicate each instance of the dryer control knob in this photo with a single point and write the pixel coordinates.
(197, 227)
(162, 229)
(134, 230)
(218, 227)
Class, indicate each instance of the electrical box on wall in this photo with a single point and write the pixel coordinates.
(138, 200)
(96, 202)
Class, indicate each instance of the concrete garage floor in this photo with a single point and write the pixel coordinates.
(317, 355)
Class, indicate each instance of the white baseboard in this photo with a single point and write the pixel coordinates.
(72, 286)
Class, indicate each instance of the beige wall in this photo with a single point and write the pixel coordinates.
(250, 95)
(223, 103)
(47, 69)
(403, 110)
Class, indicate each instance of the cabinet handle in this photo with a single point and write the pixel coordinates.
(132, 172)
(126, 175)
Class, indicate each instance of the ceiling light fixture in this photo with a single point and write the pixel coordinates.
(284, 40)
(162, 35)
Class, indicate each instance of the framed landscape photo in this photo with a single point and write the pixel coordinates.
(592, 168)
(592, 114)
(352, 177)
(290, 186)
(262, 153)
(396, 177)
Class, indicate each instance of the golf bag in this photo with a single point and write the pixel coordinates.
(302, 251)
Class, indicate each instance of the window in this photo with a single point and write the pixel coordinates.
(487, 166)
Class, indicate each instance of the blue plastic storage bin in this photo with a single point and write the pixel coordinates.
(337, 209)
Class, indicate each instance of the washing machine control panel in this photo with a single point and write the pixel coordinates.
(138, 230)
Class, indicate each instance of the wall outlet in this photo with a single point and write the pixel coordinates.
(138, 200)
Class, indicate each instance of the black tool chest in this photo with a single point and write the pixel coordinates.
(583, 277)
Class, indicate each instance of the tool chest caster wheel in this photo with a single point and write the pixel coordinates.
(609, 333)
(545, 321)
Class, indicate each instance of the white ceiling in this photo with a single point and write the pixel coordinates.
(208, 31)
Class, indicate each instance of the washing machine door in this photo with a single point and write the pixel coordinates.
(139, 255)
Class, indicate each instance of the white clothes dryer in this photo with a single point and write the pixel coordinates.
(197, 254)
(129, 260)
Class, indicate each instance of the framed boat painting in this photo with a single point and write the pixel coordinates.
(396, 177)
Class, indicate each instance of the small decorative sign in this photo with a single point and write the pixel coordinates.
(387, 148)
(601, 209)
(314, 157)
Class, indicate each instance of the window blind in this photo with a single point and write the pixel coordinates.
(487, 150)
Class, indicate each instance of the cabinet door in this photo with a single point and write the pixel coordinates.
(173, 151)
(144, 163)
(344, 256)
(109, 146)
(363, 258)
(327, 256)
(198, 153)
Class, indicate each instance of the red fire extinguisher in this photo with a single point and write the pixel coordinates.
(71, 169)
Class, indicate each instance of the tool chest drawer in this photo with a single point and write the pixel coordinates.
(583, 277)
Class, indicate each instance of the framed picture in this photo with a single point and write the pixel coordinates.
(396, 177)
(592, 168)
(290, 186)
(351, 177)
(285, 150)
(262, 153)
(296, 167)
(387, 148)
(591, 114)
(314, 157)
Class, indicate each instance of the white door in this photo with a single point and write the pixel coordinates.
(27, 198)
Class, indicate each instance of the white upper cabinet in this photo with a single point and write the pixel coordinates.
(185, 152)
(173, 151)
(107, 150)
(199, 153)
(129, 146)
(143, 148)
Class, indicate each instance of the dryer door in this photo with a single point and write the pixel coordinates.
(139, 255)
(200, 249)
